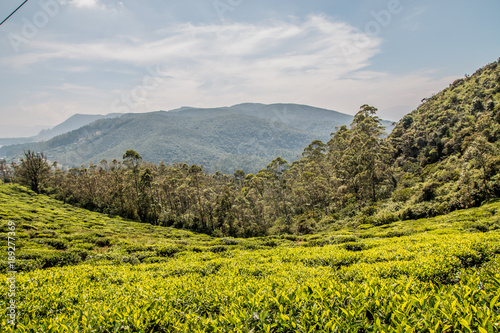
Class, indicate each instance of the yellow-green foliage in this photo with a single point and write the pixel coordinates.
(431, 275)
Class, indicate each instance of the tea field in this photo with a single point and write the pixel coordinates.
(80, 271)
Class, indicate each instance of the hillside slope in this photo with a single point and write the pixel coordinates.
(448, 122)
(100, 273)
(448, 150)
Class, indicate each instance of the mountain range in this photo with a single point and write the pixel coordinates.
(244, 136)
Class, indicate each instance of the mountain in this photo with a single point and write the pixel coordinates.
(74, 122)
(245, 136)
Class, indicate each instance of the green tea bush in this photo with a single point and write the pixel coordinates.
(169, 250)
(101, 241)
(339, 239)
(218, 249)
(318, 242)
(476, 227)
(57, 244)
(60, 259)
(230, 241)
(84, 246)
(292, 238)
(384, 218)
(352, 246)
(142, 255)
(152, 260)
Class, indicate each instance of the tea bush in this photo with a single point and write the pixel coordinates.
(427, 275)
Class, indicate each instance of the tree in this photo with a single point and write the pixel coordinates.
(278, 184)
(5, 171)
(477, 181)
(359, 155)
(372, 155)
(147, 205)
(277, 167)
(33, 170)
(315, 151)
(239, 177)
(132, 160)
(479, 154)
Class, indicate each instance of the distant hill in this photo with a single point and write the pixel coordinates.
(74, 122)
(245, 136)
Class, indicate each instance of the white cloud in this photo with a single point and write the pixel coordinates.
(74, 88)
(87, 3)
(313, 43)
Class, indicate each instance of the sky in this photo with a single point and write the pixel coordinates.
(62, 57)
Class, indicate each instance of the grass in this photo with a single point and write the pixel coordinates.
(86, 272)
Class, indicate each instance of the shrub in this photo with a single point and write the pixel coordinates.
(317, 243)
(58, 244)
(352, 246)
(142, 255)
(230, 241)
(151, 260)
(340, 239)
(385, 218)
(218, 249)
(305, 227)
(402, 194)
(327, 220)
(102, 242)
(369, 210)
(292, 238)
(169, 250)
(476, 227)
(414, 212)
(429, 191)
(60, 259)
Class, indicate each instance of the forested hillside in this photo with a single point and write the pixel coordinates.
(447, 151)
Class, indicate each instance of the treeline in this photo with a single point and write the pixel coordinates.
(443, 156)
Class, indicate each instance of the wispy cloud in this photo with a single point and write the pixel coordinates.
(412, 20)
(311, 44)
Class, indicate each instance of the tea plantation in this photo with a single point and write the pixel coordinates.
(80, 271)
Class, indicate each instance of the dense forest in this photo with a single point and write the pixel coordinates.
(443, 156)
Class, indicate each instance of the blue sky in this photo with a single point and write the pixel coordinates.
(61, 57)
